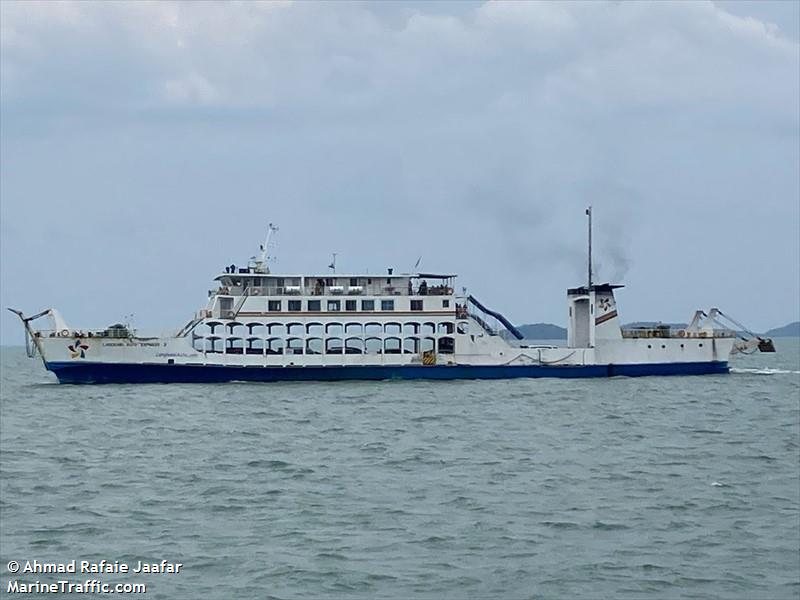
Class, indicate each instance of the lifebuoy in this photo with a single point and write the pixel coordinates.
(681, 333)
(65, 333)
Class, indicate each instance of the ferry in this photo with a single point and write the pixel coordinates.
(262, 326)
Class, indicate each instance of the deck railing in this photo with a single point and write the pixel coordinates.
(313, 290)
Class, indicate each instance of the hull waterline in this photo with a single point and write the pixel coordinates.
(88, 372)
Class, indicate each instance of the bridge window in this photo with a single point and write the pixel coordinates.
(445, 303)
(274, 305)
(368, 305)
(314, 305)
(387, 304)
(350, 305)
(334, 305)
(294, 305)
(416, 305)
(353, 282)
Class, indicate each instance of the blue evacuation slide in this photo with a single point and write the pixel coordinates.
(506, 323)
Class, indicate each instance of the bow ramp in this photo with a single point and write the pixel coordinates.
(495, 315)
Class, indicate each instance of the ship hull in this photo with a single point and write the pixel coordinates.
(95, 372)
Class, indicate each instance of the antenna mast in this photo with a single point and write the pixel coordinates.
(262, 264)
(589, 214)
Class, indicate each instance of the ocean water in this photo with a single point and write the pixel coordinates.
(680, 487)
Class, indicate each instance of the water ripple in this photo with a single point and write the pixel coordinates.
(624, 488)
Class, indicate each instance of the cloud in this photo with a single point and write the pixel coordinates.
(473, 133)
(596, 56)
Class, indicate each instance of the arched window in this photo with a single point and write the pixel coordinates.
(214, 344)
(426, 344)
(354, 345)
(334, 329)
(390, 328)
(198, 342)
(463, 327)
(314, 345)
(410, 328)
(295, 329)
(392, 346)
(373, 345)
(354, 328)
(256, 329)
(235, 328)
(277, 329)
(373, 329)
(207, 328)
(255, 345)
(294, 346)
(429, 328)
(333, 345)
(411, 345)
(445, 328)
(275, 345)
(234, 345)
(447, 345)
(314, 329)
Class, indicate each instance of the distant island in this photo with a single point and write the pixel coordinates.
(542, 331)
(548, 331)
(790, 330)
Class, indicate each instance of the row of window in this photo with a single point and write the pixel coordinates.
(446, 327)
(337, 305)
(445, 345)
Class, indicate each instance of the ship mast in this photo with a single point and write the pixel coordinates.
(262, 265)
(589, 214)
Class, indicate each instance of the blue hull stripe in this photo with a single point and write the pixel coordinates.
(88, 372)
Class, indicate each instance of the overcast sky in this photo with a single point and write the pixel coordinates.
(144, 146)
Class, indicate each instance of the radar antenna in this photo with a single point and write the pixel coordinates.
(332, 266)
